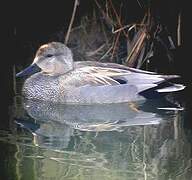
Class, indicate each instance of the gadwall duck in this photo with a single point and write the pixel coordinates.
(62, 80)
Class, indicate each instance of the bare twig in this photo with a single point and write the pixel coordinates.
(71, 22)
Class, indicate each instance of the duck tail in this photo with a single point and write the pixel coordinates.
(169, 77)
(172, 88)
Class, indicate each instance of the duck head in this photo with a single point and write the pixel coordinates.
(53, 59)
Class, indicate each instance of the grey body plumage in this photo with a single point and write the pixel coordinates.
(85, 82)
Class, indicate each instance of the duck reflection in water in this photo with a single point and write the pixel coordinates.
(57, 122)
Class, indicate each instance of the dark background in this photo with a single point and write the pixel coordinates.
(33, 23)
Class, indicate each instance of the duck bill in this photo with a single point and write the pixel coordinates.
(32, 69)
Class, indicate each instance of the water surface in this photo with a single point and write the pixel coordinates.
(131, 141)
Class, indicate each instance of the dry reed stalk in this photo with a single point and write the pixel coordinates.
(108, 20)
(135, 46)
(118, 18)
(105, 34)
(115, 45)
(122, 28)
(92, 53)
(71, 22)
(179, 30)
(108, 51)
(14, 81)
(139, 4)
(136, 49)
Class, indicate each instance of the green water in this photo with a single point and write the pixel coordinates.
(109, 142)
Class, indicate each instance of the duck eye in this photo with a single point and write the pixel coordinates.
(49, 55)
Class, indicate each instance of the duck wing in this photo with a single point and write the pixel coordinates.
(124, 76)
(89, 75)
(100, 76)
(80, 64)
